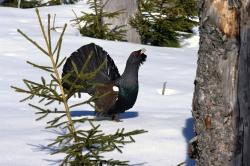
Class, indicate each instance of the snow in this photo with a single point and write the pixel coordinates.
(167, 118)
(167, 92)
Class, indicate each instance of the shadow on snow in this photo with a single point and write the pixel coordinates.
(188, 133)
(126, 115)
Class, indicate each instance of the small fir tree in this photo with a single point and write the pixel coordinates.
(21, 3)
(92, 24)
(82, 147)
(164, 22)
(35, 3)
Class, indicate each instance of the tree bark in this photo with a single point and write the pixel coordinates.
(222, 85)
(130, 8)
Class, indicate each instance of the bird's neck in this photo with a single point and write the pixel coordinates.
(131, 72)
(129, 78)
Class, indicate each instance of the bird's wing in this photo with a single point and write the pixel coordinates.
(108, 99)
(88, 59)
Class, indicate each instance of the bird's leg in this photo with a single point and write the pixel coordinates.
(102, 116)
(116, 118)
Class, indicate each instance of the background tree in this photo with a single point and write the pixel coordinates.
(92, 25)
(222, 86)
(80, 146)
(130, 8)
(164, 22)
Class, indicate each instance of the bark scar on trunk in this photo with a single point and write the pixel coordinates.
(224, 17)
(208, 123)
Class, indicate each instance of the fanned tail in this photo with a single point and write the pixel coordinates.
(89, 59)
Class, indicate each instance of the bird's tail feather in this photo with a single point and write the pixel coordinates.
(88, 66)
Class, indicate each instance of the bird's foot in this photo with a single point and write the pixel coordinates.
(99, 118)
(116, 118)
(105, 116)
(102, 116)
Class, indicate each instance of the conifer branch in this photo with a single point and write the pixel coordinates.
(42, 28)
(46, 68)
(33, 42)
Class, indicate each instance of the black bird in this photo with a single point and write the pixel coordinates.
(121, 90)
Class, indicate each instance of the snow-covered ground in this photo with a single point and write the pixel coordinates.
(166, 117)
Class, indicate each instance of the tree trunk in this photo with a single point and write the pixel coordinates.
(222, 85)
(18, 3)
(130, 8)
(242, 114)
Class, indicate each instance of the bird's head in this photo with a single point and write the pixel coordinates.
(137, 57)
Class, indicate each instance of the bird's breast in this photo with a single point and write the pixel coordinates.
(128, 96)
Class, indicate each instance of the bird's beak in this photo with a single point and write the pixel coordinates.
(143, 50)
